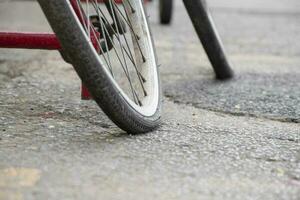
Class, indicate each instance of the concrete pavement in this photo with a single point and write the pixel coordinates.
(234, 140)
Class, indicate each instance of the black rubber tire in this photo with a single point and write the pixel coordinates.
(209, 37)
(165, 11)
(92, 73)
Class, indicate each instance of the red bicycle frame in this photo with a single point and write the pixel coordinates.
(29, 40)
(47, 41)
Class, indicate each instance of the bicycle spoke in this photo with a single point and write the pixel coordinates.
(88, 19)
(132, 9)
(130, 56)
(135, 36)
(136, 98)
(88, 30)
(122, 52)
(116, 46)
(95, 4)
(80, 9)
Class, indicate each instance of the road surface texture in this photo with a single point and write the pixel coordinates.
(238, 139)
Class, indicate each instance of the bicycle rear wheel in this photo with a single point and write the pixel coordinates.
(110, 46)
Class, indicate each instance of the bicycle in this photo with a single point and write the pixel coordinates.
(110, 46)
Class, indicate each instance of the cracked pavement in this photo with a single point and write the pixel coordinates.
(238, 139)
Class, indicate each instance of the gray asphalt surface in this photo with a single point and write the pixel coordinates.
(234, 140)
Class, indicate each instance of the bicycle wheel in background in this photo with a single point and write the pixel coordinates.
(111, 49)
(165, 11)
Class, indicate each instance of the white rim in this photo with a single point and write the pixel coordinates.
(149, 68)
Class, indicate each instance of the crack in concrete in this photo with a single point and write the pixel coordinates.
(256, 12)
(243, 114)
(286, 139)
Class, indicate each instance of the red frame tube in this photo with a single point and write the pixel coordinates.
(29, 40)
(23, 40)
(47, 41)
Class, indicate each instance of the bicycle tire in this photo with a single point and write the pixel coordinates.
(209, 37)
(95, 76)
(165, 11)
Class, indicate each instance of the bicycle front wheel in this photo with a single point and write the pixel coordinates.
(110, 46)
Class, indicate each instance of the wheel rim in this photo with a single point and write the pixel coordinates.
(128, 59)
